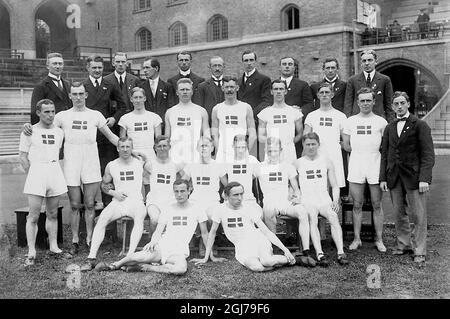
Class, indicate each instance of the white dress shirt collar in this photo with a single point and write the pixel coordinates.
(372, 74)
(93, 80)
(185, 73)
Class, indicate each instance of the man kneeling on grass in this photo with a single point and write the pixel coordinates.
(253, 246)
(170, 249)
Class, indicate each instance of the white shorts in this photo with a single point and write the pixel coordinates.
(169, 248)
(364, 167)
(81, 164)
(319, 204)
(283, 207)
(252, 247)
(46, 180)
(130, 207)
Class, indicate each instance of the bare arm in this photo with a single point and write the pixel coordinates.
(205, 124)
(215, 128)
(274, 239)
(346, 139)
(123, 132)
(333, 185)
(262, 132)
(308, 129)
(251, 130)
(167, 130)
(158, 130)
(209, 245)
(109, 135)
(23, 158)
(298, 130)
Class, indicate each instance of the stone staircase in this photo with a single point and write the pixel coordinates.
(407, 12)
(439, 121)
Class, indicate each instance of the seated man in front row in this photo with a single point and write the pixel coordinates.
(125, 173)
(171, 249)
(253, 246)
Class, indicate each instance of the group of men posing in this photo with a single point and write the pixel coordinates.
(191, 144)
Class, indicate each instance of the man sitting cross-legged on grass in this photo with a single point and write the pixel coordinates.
(275, 177)
(126, 174)
(253, 246)
(314, 173)
(170, 249)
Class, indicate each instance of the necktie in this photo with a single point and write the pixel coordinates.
(402, 119)
(60, 86)
(152, 87)
(121, 83)
(96, 84)
(368, 80)
(245, 78)
(218, 82)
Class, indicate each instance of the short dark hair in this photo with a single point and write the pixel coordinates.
(231, 185)
(311, 136)
(400, 93)
(94, 58)
(180, 181)
(184, 52)
(325, 85)
(240, 137)
(278, 81)
(160, 138)
(77, 84)
(120, 54)
(288, 57)
(333, 59)
(228, 78)
(42, 102)
(53, 55)
(124, 139)
(370, 51)
(365, 90)
(153, 62)
(137, 89)
(248, 52)
(184, 80)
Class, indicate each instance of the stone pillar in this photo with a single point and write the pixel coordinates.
(22, 24)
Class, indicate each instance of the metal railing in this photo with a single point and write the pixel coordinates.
(398, 33)
(435, 113)
(11, 53)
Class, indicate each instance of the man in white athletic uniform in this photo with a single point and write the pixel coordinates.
(39, 155)
(142, 126)
(328, 123)
(242, 169)
(230, 118)
(253, 246)
(362, 137)
(81, 160)
(205, 177)
(314, 172)
(171, 249)
(125, 173)
(163, 173)
(185, 123)
(276, 178)
(281, 121)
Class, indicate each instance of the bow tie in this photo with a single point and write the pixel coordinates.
(402, 119)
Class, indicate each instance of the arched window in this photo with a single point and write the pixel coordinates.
(140, 5)
(217, 28)
(143, 40)
(178, 34)
(290, 18)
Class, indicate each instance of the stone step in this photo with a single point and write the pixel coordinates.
(445, 116)
(440, 124)
(440, 137)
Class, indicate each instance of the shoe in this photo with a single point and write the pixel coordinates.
(420, 259)
(342, 259)
(61, 255)
(380, 246)
(305, 261)
(74, 249)
(398, 251)
(322, 260)
(355, 245)
(91, 263)
(98, 206)
(103, 266)
(133, 268)
(29, 261)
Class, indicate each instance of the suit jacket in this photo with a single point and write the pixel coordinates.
(299, 93)
(163, 100)
(101, 101)
(47, 89)
(410, 156)
(382, 86)
(208, 95)
(173, 82)
(339, 94)
(131, 81)
(256, 92)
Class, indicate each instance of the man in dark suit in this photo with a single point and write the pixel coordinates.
(184, 59)
(423, 20)
(52, 87)
(159, 94)
(407, 160)
(298, 91)
(330, 67)
(100, 95)
(123, 80)
(254, 89)
(379, 83)
(210, 93)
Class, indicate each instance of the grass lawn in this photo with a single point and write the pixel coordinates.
(400, 277)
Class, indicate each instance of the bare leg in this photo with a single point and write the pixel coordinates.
(314, 230)
(270, 217)
(74, 193)
(140, 257)
(51, 223)
(357, 192)
(336, 230)
(175, 264)
(378, 216)
(254, 264)
(138, 228)
(89, 214)
(153, 213)
(31, 227)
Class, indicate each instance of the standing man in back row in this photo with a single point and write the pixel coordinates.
(254, 88)
(379, 83)
(52, 87)
(184, 59)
